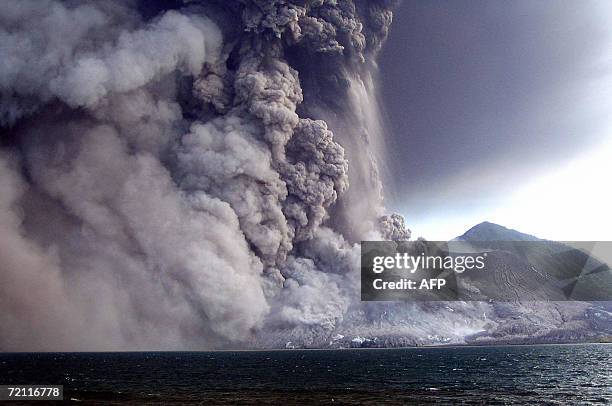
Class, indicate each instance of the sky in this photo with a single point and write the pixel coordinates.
(500, 111)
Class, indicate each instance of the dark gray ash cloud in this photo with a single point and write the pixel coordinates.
(194, 177)
(484, 96)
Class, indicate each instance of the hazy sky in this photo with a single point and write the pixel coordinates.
(500, 111)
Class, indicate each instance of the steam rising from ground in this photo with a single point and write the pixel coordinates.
(194, 179)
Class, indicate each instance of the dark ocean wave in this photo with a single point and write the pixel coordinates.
(556, 374)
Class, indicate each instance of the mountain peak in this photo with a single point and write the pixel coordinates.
(487, 231)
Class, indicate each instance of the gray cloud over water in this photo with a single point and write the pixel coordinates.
(193, 179)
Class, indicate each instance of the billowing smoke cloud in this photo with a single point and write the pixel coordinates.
(187, 178)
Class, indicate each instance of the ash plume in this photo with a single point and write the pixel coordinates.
(194, 177)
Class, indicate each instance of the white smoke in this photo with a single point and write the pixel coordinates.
(81, 54)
